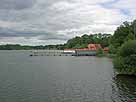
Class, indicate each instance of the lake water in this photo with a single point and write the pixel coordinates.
(61, 79)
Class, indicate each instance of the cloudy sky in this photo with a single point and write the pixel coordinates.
(37, 22)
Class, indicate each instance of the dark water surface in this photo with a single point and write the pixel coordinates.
(61, 79)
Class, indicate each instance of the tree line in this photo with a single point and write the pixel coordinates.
(123, 44)
(27, 47)
(76, 42)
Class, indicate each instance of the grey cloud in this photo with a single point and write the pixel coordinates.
(28, 34)
(5, 32)
(53, 37)
(16, 4)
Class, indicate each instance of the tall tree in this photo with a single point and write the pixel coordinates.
(122, 32)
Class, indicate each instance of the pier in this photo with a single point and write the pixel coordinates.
(50, 53)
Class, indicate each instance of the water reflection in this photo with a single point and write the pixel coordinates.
(124, 89)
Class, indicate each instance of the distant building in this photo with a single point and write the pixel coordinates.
(90, 51)
(94, 46)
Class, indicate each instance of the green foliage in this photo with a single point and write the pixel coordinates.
(125, 62)
(112, 49)
(128, 48)
(83, 41)
(73, 42)
(100, 52)
(134, 27)
(80, 46)
(21, 47)
(118, 63)
(130, 37)
(14, 47)
(123, 33)
(123, 43)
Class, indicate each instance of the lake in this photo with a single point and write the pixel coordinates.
(61, 79)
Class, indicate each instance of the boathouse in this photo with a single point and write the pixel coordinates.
(90, 51)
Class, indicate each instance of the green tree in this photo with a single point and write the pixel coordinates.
(126, 59)
(130, 37)
(123, 33)
(112, 49)
(100, 52)
(72, 42)
(134, 27)
(85, 39)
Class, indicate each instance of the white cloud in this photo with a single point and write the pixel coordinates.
(129, 5)
(84, 18)
(7, 24)
(93, 2)
(67, 18)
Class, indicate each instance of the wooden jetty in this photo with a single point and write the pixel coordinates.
(49, 53)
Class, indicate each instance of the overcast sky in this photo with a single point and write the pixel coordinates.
(37, 22)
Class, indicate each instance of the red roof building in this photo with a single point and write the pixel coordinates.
(94, 46)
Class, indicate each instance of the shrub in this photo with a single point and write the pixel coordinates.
(112, 49)
(125, 62)
(100, 52)
(128, 48)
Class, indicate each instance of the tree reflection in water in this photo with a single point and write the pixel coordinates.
(124, 88)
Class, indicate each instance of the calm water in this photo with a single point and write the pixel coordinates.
(61, 79)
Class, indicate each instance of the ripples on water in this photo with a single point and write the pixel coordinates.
(61, 79)
(124, 89)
